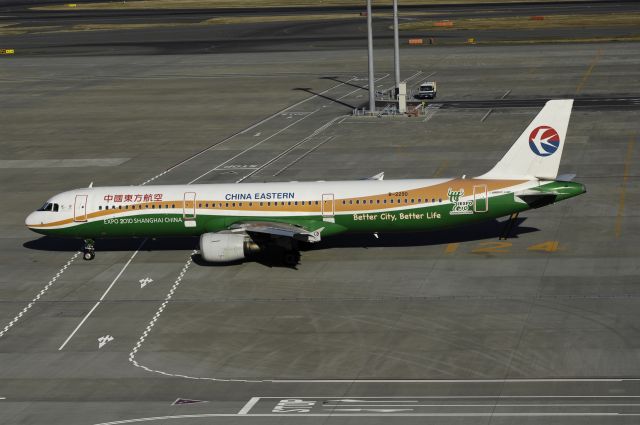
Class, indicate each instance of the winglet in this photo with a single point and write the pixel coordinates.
(379, 176)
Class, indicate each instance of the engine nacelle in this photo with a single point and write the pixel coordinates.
(226, 247)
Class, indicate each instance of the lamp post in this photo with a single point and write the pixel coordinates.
(372, 83)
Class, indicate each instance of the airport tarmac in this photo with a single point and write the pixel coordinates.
(450, 327)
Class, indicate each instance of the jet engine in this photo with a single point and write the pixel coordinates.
(226, 247)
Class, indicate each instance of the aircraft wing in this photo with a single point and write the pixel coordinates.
(277, 229)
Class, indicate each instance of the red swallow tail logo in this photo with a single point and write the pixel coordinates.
(544, 140)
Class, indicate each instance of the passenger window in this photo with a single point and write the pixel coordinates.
(391, 201)
(173, 205)
(316, 202)
(357, 201)
(240, 204)
(343, 202)
(250, 204)
(377, 201)
(100, 208)
(261, 204)
(226, 205)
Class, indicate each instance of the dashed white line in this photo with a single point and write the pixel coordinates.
(155, 317)
(37, 297)
(103, 296)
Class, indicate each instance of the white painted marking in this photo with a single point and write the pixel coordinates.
(144, 282)
(486, 115)
(103, 296)
(506, 94)
(61, 163)
(451, 381)
(104, 340)
(253, 146)
(183, 401)
(257, 134)
(361, 88)
(38, 296)
(488, 405)
(374, 410)
(303, 155)
(153, 321)
(3, 398)
(247, 407)
(270, 117)
(368, 415)
(466, 397)
(351, 400)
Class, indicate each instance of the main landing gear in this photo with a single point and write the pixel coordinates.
(506, 232)
(89, 251)
(291, 257)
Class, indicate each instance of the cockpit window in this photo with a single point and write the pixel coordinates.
(49, 207)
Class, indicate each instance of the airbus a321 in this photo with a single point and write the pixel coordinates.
(236, 220)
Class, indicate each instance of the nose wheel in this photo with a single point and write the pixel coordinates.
(89, 251)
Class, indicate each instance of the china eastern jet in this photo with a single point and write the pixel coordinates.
(237, 220)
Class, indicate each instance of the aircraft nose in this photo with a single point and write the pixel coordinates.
(31, 220)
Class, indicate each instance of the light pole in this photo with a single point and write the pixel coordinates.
(372, 83)
(396, 44)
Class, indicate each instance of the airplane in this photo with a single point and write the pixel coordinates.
(235, 221)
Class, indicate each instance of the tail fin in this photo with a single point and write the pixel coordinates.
(537, 152)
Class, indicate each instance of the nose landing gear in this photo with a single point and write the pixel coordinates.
(89, 250)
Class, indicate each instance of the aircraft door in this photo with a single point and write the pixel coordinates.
(80, 208)
(480, 198)
(328, 207)
(189, 209)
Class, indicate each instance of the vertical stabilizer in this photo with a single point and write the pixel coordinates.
(537, 152)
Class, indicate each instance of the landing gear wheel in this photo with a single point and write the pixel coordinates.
(89, 250)
(291, 258)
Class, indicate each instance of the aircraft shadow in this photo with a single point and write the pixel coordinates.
(472, 232)
(274, 258)
(308, 90)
